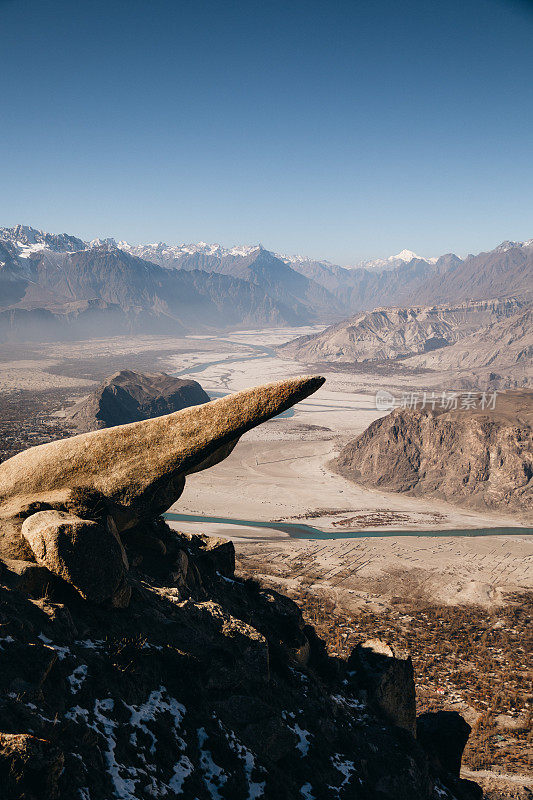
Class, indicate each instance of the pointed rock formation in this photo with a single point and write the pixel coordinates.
(120, 476)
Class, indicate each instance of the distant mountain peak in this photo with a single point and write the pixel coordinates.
(405, 255)
(392, 262)
(509, 245)
(28, 240)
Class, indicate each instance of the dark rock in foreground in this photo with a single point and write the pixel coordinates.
(131, 396)
(206, 686)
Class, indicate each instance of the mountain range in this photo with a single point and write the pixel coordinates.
(57, 286)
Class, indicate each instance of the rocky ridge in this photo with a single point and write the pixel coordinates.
(134, 663)
(389, 333)
(56, 286)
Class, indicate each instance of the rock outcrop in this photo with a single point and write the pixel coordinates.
(83, 553)
(142, 666)
(386, 675)
(443, 734)
(206, 686)
(135, 471)
(472, 457)
(131, 396)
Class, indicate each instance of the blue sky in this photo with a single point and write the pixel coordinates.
(342, 130)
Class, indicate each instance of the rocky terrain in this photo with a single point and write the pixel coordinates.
(474, 456)
(503, 344)
(131, 396)
(134, 663)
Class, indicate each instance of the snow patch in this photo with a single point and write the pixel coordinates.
(77, 678)
(346, 768)
(214, 776)
(301, 733)
(62, 652)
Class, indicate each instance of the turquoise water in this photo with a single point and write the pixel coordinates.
(302, 531)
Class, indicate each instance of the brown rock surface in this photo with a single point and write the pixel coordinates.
(141, 467)
(471, 457)
(81, 552)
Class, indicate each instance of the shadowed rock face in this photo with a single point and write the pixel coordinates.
(133, 396)
(134, 471)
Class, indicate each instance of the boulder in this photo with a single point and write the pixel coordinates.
(81, 552)
(385, 673)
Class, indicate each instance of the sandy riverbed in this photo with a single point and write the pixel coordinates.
(280, 472)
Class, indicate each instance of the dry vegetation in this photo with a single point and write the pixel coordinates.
(466, 658)
(25, 419)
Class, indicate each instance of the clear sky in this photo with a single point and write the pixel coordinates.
(342, 130)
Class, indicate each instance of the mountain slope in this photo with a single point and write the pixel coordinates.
(139, 295)
(471, 457)
(500, 344)
(388, 333)
(253, 264)
(504, 272)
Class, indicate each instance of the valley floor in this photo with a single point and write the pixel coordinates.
(349, 554)
(280, 473)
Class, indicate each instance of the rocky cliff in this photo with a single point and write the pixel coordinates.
(134, 664)
(131, 396)
(467, 456)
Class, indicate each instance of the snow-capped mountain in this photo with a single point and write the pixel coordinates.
(507, 245)
(392, 262)
(57, 280)
(166, 255)
(27, 240)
